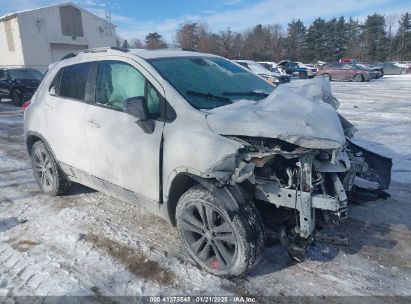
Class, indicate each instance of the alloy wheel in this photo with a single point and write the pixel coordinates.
(43, 169)
(209, 235)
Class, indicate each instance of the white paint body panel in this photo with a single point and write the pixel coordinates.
(294, 112)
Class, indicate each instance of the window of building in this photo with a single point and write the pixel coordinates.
(71, 22)
(9, 35)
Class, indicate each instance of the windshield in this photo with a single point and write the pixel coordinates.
(25, 74)
(208, 82)
(258, 68)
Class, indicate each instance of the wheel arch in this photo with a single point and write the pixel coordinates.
(32, 138)
(362, 76)
(232, 196)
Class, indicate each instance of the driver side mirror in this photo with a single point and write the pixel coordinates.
(136, 106)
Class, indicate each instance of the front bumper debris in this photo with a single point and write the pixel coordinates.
(304, 202)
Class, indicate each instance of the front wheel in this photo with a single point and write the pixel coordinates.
(223, 243)
(49, 177)
(303, 75)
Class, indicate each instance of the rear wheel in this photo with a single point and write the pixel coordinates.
(222, 243)
(49, 177)
(358, 78)
(17, 98)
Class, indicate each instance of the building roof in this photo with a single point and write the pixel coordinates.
(15, 14)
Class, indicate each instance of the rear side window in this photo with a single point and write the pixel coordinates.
(74, 80)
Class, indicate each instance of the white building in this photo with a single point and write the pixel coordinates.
(35, 38)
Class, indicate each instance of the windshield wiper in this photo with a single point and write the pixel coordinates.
(249, 93)
(209, 96)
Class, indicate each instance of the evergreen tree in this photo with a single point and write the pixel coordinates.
(295, 39)
(125, 44)
(354, 39)
(315, 41)
(155, 41)
(375, 37)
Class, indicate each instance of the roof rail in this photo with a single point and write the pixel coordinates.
(96, 50)
(69, 55)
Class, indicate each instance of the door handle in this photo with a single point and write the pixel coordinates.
(93, 123)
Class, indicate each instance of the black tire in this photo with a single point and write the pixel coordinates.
(231, 250)
(358, 78)
(302, 75)
(326, 75)
(17, 98)
(49, 177)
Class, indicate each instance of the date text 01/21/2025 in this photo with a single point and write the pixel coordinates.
(202, 299)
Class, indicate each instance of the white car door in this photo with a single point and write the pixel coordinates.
(63, 116)
(121, 153)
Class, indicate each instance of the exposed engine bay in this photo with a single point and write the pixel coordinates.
(310, 175)
(307, 184)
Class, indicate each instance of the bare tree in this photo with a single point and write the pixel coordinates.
(390, 20)
(136, 43)
(119, 40)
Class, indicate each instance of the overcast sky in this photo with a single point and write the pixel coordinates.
(136, 18)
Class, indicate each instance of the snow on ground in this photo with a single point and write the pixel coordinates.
(381, 111)
(86, 243)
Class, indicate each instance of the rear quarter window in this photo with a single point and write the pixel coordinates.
(74, 80)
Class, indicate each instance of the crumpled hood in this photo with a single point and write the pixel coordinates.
(302, 113)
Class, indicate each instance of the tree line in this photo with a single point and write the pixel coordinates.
(378, 38)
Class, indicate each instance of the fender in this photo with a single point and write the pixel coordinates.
(29, 144)
(232, 196)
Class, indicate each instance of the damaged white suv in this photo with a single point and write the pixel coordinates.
(204, 143)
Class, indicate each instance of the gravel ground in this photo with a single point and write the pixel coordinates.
(87, 243)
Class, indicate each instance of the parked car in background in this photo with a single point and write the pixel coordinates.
(268, 64)
(19, 84)
(395, 68)
(347, 60)
(374, 73)
(346, 72)
(378, 69)
(260, 70)
(297, 69)
(273, 67)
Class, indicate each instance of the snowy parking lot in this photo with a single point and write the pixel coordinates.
(87, 243)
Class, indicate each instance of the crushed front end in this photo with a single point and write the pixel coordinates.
(308, 186)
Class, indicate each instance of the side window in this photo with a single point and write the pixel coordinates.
(244, 65)
(116, 82)
(55, 84)
(74, 80)
(153, 100)
(2, 75)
